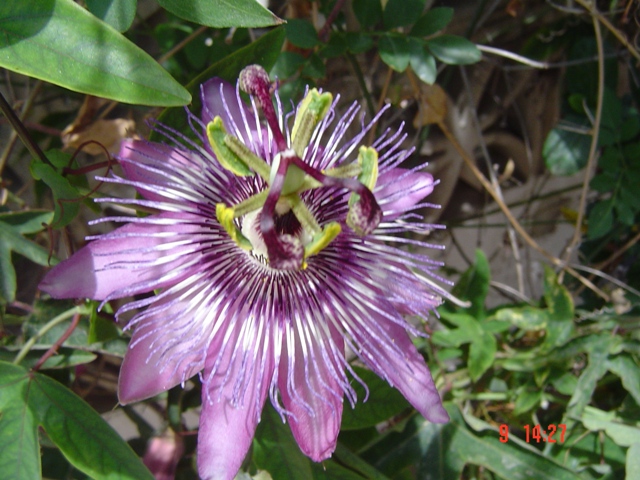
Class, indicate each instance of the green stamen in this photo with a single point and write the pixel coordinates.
(251, 204)
(304, 216)
(344, 171)
(225, 216)
(313, 109)
(322, 239)
(368, 162)
(249, 158)
(216, 134)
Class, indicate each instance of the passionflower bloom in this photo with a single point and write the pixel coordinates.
(274, 248)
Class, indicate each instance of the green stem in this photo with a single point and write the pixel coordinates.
(80, 310)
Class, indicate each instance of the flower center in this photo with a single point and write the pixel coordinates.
(276, 223)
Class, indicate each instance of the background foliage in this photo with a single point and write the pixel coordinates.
(515, 368)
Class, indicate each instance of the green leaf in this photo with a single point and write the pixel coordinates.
(398, 13)
(620, 431)
(625, 367)
(60, 42)
(117, 13)
(526, 318)
(263, 51)
(395, 51)
(368, 12)
(600, 219)
(12, 228)
(66, 198)
(422, 62)
(481, 354)
(443, 451)
(633, 461)
(565, 152)
(528, 398)
(29, 400)
(432, 22)
(359, 42)
(454, 50)
(589, 378)
(383, 403)
(287, 65)
(276, 451)
(301, 33)
(64, 358)
(474, 286)
(222, 13)
(101, 329)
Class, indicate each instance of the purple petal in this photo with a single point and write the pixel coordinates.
(233, 394)
(122, 259)
(391, 354)
(220, 98)
(152, 164)
(398, 190)
(312, 394)
(167, 348)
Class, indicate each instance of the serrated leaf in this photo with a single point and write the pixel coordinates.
(383, 403)
(222, 13)
(432, 22)
(84, 438)
(395, 52)
(62, 43)
(12, 228)
(454, 50)
(117, 13)
(263, 51)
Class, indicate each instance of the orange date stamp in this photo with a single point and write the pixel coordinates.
(554, 433)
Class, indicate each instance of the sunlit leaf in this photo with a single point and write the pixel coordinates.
(395, 52)
(222, 13)
(117, 13)
(29, 400)
(62, 43)
(454, 50)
